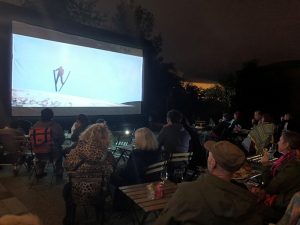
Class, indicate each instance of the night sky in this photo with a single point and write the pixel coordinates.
(209, 38)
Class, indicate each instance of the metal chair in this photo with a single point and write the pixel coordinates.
(13, 151)
(153, 172)
(96, 182)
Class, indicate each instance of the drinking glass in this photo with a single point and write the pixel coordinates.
(178, 175)
(164, 176)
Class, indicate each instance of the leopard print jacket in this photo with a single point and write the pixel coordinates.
(89, 170)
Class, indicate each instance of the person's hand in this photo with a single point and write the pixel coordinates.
(265, 158)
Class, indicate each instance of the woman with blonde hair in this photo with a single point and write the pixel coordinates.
(89, 159)
(145, 153)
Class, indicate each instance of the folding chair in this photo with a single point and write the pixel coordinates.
(85, 199)
(153, 172)
(12, 151)
(178, 164)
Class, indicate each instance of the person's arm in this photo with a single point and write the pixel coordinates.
(130, 172)
(161, 137)
(278, 183)
(58, 134)
(72, 160)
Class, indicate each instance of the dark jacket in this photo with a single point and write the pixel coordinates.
(285, 184)
(139, 160)
(174, 138)
(212, 201)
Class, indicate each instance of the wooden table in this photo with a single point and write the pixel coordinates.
(138, 195)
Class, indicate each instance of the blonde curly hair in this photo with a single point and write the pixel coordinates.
(145, 139)
(97, 135)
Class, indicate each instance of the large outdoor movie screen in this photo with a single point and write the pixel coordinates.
(73, 74)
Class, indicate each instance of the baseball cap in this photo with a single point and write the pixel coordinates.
(227, 155)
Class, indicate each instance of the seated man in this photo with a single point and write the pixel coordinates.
(11, 141)
(58, 136)
(173, 137)
(213, 199)
(260, 137)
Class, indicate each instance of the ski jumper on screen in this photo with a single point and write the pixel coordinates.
(58, 74)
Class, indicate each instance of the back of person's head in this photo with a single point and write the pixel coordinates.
(47, 114)
(83, 119)
(287, 116)
(226, 117)
(227, 155)
(292, 138)
(237, 115)
(258, 114)
(174, 116)
(100, 120)
(27, 219)
(97, 134)
(145, 139)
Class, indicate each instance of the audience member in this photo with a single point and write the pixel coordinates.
(287, 142)
(260, 137)
(213, 198)
(26, 219)
(90, 156)
(199, 157)
(58, 136)
(287, 122)
(145, 153)
(173, 137)
(286, 177)
(81, 123)
(11, 138)
(221, 130)
(257, 117)
(100, 120)
(292, 213)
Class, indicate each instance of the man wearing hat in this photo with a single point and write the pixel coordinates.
(213, 199)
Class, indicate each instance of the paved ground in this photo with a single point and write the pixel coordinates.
(44, 199)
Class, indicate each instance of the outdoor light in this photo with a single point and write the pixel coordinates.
(127, 132)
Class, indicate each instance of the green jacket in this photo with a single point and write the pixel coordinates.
(285, 184)
(212, 201)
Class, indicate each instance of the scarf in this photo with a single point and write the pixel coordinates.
(282, 160)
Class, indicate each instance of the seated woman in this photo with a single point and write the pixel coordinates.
(286, 177)
(89, 157)
(145, 153)
(287, 142)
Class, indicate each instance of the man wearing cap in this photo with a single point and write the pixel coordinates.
(213, 199)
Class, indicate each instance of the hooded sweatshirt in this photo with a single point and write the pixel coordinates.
(212, 201)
